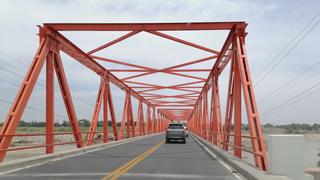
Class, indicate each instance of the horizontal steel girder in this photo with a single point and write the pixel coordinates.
(144, 26)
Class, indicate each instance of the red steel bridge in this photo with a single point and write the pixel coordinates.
(197, 103)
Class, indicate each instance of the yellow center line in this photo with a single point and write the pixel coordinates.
(121, 170)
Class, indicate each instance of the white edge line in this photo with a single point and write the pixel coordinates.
(222, 162)
(57, 159)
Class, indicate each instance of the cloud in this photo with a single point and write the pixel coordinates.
(271, 25)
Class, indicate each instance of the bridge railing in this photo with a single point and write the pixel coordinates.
(206, 119)
(24, 147)
(225, 144)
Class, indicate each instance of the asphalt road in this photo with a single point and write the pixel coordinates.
(148, 158)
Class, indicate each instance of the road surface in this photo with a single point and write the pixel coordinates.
(148, 158)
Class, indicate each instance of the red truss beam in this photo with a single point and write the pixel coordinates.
(181, 87)
(234, 49)
(140, 128)
(145, 26)
(174, 70)
(113, 42)
(204, 119)
(154, 85)
(150, 70)
(178, 87)
(183, 41)
(72, 50)
(94, 121)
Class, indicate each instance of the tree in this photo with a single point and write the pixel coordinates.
(84, 123)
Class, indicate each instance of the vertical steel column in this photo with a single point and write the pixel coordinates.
(205, 115)
(191, 123)
(140, 119)
(49, 103)
(153, 121)
(112, 113)
(257, 138)
(138, 122)
(212, 113)
(237, 111)
(66, 95)
(157, 122)
(105, 109)
(128, 117)
(162, 121)
(194, 116)
(200, 116)
(148, 129)
(124, 117)
(12, 120)
(131, 120)
(216, 131)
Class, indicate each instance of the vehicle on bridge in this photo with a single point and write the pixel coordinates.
(176, 131)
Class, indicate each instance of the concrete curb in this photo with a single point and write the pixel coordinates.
(246, 170)
(37, 160)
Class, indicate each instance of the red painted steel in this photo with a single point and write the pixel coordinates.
(94, 121)
(105, 111)
(127, 122)
(145, 26)
(237, 111)
(252, 113)
(148, 121)
(66, 95)
(229, 106)
(183, 41)
(140, 127)
(111, 108)
(192, 96)
(113, 42)
(50, 102)
(20, 102)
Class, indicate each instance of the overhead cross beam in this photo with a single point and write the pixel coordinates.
(72, 50)
(113, 42)
(145, 26)
(168, 70)
(183, 41)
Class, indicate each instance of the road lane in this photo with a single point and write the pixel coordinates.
(167, 161)
(179, 161)
(92, 165)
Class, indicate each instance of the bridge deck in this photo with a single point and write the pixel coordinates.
(152, 160)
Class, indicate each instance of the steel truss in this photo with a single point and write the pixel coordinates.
(203, 119)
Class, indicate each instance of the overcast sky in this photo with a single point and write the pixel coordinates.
(271, 26)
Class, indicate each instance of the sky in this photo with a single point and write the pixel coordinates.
(280, 34)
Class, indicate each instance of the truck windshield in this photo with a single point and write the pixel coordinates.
(175, 126)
